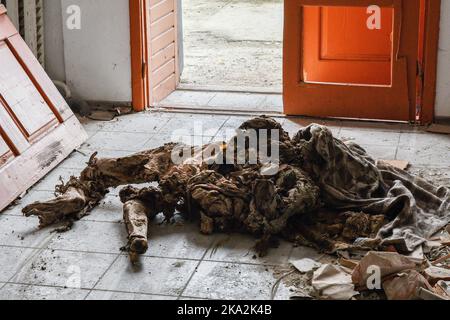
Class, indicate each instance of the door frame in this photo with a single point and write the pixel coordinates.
(428, 49)
(143, 93)
(428, 55)
(138, 43)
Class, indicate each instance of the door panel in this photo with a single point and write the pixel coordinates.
(162, 41)
(350, 96)
(340, 48)
(163, 56)
(39, 77)
(345, 35)
(6, 153)
(37, 128)
(20, 96)
(10, 128)
(162, 29)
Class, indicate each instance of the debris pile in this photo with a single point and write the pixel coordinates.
(378, 275)
(324, 193)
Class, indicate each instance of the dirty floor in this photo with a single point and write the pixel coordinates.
(86, 262)
(225, 38)
(202, 100)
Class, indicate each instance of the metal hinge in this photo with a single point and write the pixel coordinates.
(420, 72)
(419, 98)
(144, 69)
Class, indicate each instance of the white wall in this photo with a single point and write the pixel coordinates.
(443, 80)
(97, 57)
(95, 61)
(54, 43)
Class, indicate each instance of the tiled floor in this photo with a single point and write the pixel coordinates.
(86, 262)
(224, 101)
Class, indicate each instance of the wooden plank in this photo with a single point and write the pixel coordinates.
(162, 48)
(154, 2)
(163, 73)
(165, 88)
(39, 78)
(163, 41)
(161, 9)
(178, 33)
(399, 164)
(13, 11)
(6, 153)
(163, 56)
(23, 101)
(4, 149)
(439, 128)
(28, 168)
(17, 140)
(7, 28)
(162, 25)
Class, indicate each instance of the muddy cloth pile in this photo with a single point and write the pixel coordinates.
(322, 190)
(350, 180)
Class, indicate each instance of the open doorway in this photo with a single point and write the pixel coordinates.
(233, 44)
(230, 56)
(225, 55)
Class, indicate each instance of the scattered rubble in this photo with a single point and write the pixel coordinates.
(435, 274)
(388, 263)
(439, 128)
(334, 282)
(442, 289)
(405, 286)
(399, 164)
(306, 265)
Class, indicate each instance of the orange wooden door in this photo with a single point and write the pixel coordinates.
(344, 60)
(162, 46)
(37, 128)
(339, 47)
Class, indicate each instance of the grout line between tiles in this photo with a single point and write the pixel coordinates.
(195, 298)
(123, 254)
(26, 262)
(157, 132)
(46, 286)
(211, 99)
(127, 292)
(245, 263)
(129, 132)
(61, 250)
(195, 269)
(103, 274)
(88, 290)
(82, 220)
(398, 145)
(220, 129)
(203, 258)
